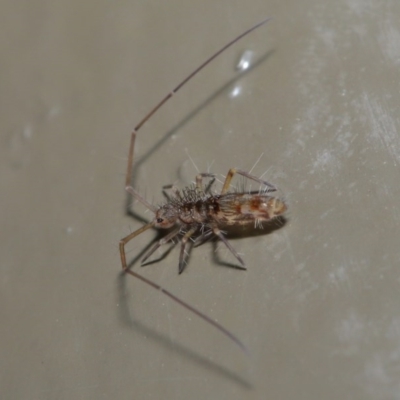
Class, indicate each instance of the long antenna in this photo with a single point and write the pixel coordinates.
(190, 308)
(198, 69)
(135, 194)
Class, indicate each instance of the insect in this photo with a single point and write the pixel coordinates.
(196, 214)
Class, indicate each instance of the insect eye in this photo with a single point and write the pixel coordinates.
(159, 220)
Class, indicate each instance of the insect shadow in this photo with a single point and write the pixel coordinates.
(195, 211)
(128, 319)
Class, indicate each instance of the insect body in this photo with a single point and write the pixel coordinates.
(196, 214)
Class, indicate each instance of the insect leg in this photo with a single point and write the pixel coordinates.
(233, 171)
(184, 255)
(159, 243)
(125, 268)
(175, 191)
(220, 235)
(128, 186)
(202, 238)
(199, 181)
(127, 239)
(190, 308)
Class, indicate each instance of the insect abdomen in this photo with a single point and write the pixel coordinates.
(244, 208)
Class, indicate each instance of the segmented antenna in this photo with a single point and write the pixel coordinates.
(196, 71)
(134, 193)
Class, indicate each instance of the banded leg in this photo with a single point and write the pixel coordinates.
(202, 238)
(199, 181)
(233, 171)
(220, 235)
(183, 254)
(154, 285)
(159, 243)
(128, 186)
(127, 239)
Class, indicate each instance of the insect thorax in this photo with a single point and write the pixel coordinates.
(190, 206)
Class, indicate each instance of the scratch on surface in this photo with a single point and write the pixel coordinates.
(325, 161)
(389, 42)
(289, 248)
(383, 128)
(358, 336)
(381, 371)
(339, 276)
(351, 329)
(381, 377)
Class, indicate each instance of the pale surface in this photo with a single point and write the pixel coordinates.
(319, 307)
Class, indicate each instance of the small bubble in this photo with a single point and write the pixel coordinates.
(54, 112)
(27, 132)
(245, 61)
(235, 91)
